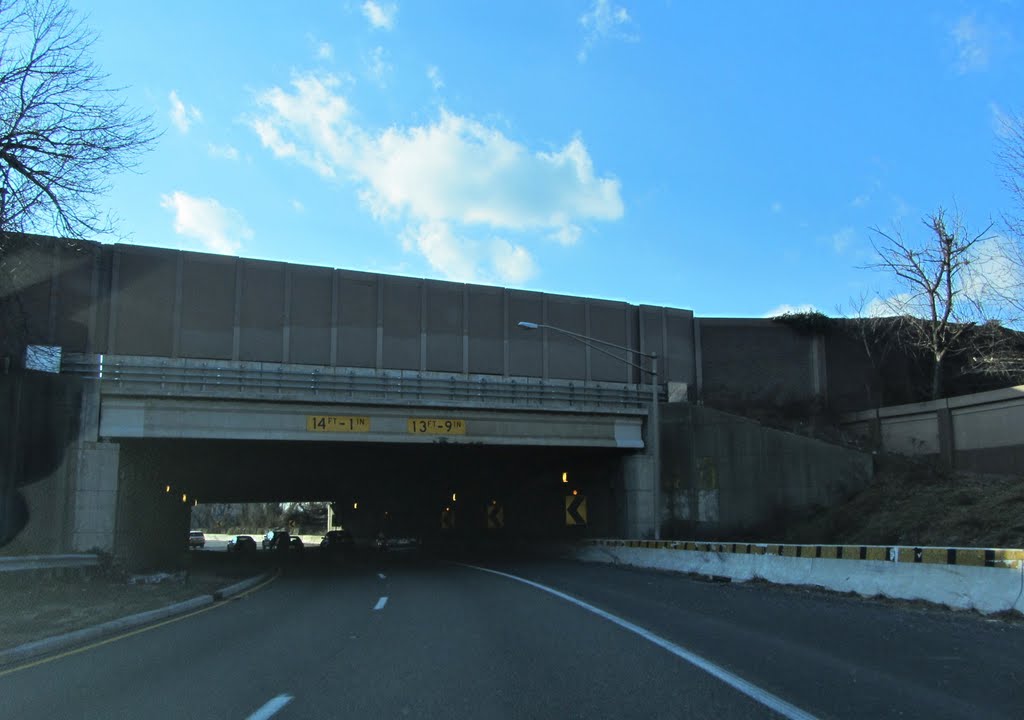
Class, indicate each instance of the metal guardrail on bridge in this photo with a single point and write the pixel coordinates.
(182, 377)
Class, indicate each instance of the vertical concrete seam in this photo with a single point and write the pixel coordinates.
(423, 325)
(179, 296)
(51, 320)
(236, 334)
(286, 320)
(545, 337)
(94, 297)
(114, 300)
(505, 321)
(380, 323)
(698, 360)
(465, 329)
(589, 376)
(334, 317)
(663, 367)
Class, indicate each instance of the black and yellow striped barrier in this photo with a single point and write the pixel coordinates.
(979, 557)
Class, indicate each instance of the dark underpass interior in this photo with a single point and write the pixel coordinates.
(448, 495)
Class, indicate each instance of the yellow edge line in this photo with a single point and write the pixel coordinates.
(212, 606)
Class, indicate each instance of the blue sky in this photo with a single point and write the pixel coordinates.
(724, 157)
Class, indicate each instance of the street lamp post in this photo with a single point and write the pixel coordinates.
(654, 416)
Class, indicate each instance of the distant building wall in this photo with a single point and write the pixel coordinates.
(983, 432)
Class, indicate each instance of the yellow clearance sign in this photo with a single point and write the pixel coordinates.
(436, 426)
(337, 423)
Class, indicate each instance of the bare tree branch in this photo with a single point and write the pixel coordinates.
(940, 302)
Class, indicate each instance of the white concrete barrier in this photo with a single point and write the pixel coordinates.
(919, 576)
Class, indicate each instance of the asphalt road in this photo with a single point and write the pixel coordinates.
(402, 636)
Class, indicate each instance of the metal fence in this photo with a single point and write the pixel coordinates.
(178, 377)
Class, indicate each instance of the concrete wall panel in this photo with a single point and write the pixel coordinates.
(77, 308)
(487, 330)
(608, 322)
(357, 319)
(444, 326)
(526, 347)
(402, 320)
(310, 316)
(567, 358)
(261, 318)
(678, 365)
(144, 297)
(208, 306)
(754, 362)
(30, 266)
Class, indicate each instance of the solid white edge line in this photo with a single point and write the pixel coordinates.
(270, 707)
(381, 603)
(770, 701)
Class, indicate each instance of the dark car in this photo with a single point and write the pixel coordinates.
(241, 544)
(274, 538)
(337, 540)
(295, 543)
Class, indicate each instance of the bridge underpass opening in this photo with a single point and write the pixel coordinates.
(445, 493)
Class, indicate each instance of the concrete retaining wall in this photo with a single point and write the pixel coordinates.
(725, 475)
(988, 580)
(983, 432)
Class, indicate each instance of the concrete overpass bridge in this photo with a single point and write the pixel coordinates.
(192, 365)
(216, 378)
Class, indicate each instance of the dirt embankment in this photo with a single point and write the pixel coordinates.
(911, 502)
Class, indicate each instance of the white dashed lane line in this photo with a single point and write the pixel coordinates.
(381, 603)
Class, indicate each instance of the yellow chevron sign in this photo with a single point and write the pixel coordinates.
(575, 510)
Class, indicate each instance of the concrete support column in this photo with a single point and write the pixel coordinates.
(638, 495)
(94, 498)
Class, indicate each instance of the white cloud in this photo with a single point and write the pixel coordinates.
(219, 229)
(227, 152)
(181, 115)
(447, 180)
(603, 20)
(994, 273)
(567, 235)
(861, 200)
(460, 169)
(324, 51)
(434, 75)
(513, 263)
(314, 115)
(776, 207)
(841, 240)
(1002, 122)
(452, 256)
(298, 207)
(973, 44)
(377, 67)
(899, 304)
(380, 16)
(790, 309)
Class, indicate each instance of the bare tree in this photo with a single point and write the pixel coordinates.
(63, 131)
(937, 302)
(1011, 164)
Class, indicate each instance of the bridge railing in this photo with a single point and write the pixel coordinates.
(184, 377)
